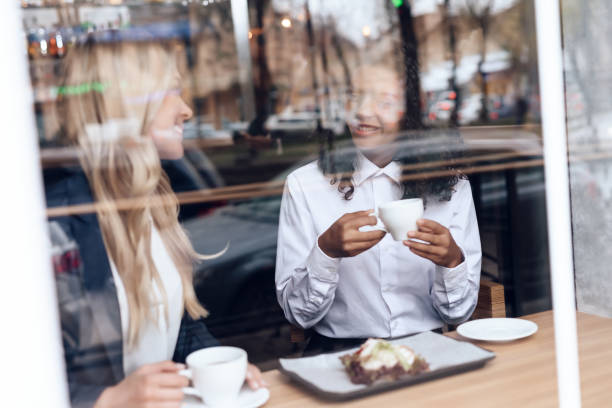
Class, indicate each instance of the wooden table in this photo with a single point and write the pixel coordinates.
(522, 375)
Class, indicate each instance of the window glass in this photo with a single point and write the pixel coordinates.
(267, 121)
(588, 106)
(587, 84)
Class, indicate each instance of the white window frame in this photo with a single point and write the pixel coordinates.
(556, 171)
(33, 353)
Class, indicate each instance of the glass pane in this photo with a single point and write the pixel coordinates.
(279, 128)
(587, 52)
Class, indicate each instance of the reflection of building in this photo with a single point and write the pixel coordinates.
(212, 70)
(206, 51)
(215, 67)
(506, 46)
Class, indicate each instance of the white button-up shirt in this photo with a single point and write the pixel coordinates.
(386, 291)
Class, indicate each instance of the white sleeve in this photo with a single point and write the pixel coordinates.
(455, 290)
(306, 278)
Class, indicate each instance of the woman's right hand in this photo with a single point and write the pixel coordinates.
(156, 385)
(343, 239)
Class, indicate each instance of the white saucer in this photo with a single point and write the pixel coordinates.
(247, 398)
(497, 329)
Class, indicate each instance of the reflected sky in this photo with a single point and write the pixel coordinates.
(351, 20)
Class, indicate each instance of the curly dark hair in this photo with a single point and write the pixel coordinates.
(426, 157)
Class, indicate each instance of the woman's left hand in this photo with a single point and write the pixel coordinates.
(254, 378)
(440, 247)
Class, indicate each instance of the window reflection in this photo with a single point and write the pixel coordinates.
(461, 74)
(588, 130)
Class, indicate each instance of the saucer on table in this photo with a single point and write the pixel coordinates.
(497, 329)
(247, 398)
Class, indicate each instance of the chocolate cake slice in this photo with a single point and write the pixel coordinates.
(378, 359)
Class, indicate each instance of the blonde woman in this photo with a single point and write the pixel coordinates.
(128, 308)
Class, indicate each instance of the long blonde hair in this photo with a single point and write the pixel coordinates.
(110, 94)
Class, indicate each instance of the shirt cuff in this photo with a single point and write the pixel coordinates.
(321, 266)
(451, 281)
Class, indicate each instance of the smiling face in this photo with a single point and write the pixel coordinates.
(166, 128)
(374, 108)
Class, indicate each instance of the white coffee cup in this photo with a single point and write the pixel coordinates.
(217, 374)
(400, 216)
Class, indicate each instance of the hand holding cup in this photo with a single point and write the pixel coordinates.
(152, 385)
(439, 245)
(344, 239)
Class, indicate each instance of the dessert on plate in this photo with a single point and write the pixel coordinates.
(378, 359)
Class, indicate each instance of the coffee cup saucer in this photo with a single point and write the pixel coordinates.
(247, 398)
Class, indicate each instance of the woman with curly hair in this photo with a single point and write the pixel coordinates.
(349, 281)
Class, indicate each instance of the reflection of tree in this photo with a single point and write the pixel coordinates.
(325, 66)
(411, 66)
(452, 45)
(335, 42)
(313, 71)
(515, 34)
(400, 18)
(480, 14)
(579, 47)
(263, 80)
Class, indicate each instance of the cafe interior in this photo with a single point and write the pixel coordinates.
(303, 203)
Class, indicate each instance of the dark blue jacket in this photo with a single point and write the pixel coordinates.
(88, 305)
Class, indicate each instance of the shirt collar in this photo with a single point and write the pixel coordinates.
(366, 169)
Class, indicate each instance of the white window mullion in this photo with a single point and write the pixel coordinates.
(550, 65)
(33, 366)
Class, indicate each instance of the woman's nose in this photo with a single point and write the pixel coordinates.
(366, 107)
(186, 111)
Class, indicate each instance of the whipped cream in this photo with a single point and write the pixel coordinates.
(374, 358)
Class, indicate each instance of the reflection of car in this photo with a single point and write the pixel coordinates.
(238, 287)
(290, 123)
(203, 130)
(440, 109)
(470, 109)
(499, 109)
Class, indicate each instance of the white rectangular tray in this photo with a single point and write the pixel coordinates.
(326, 376)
